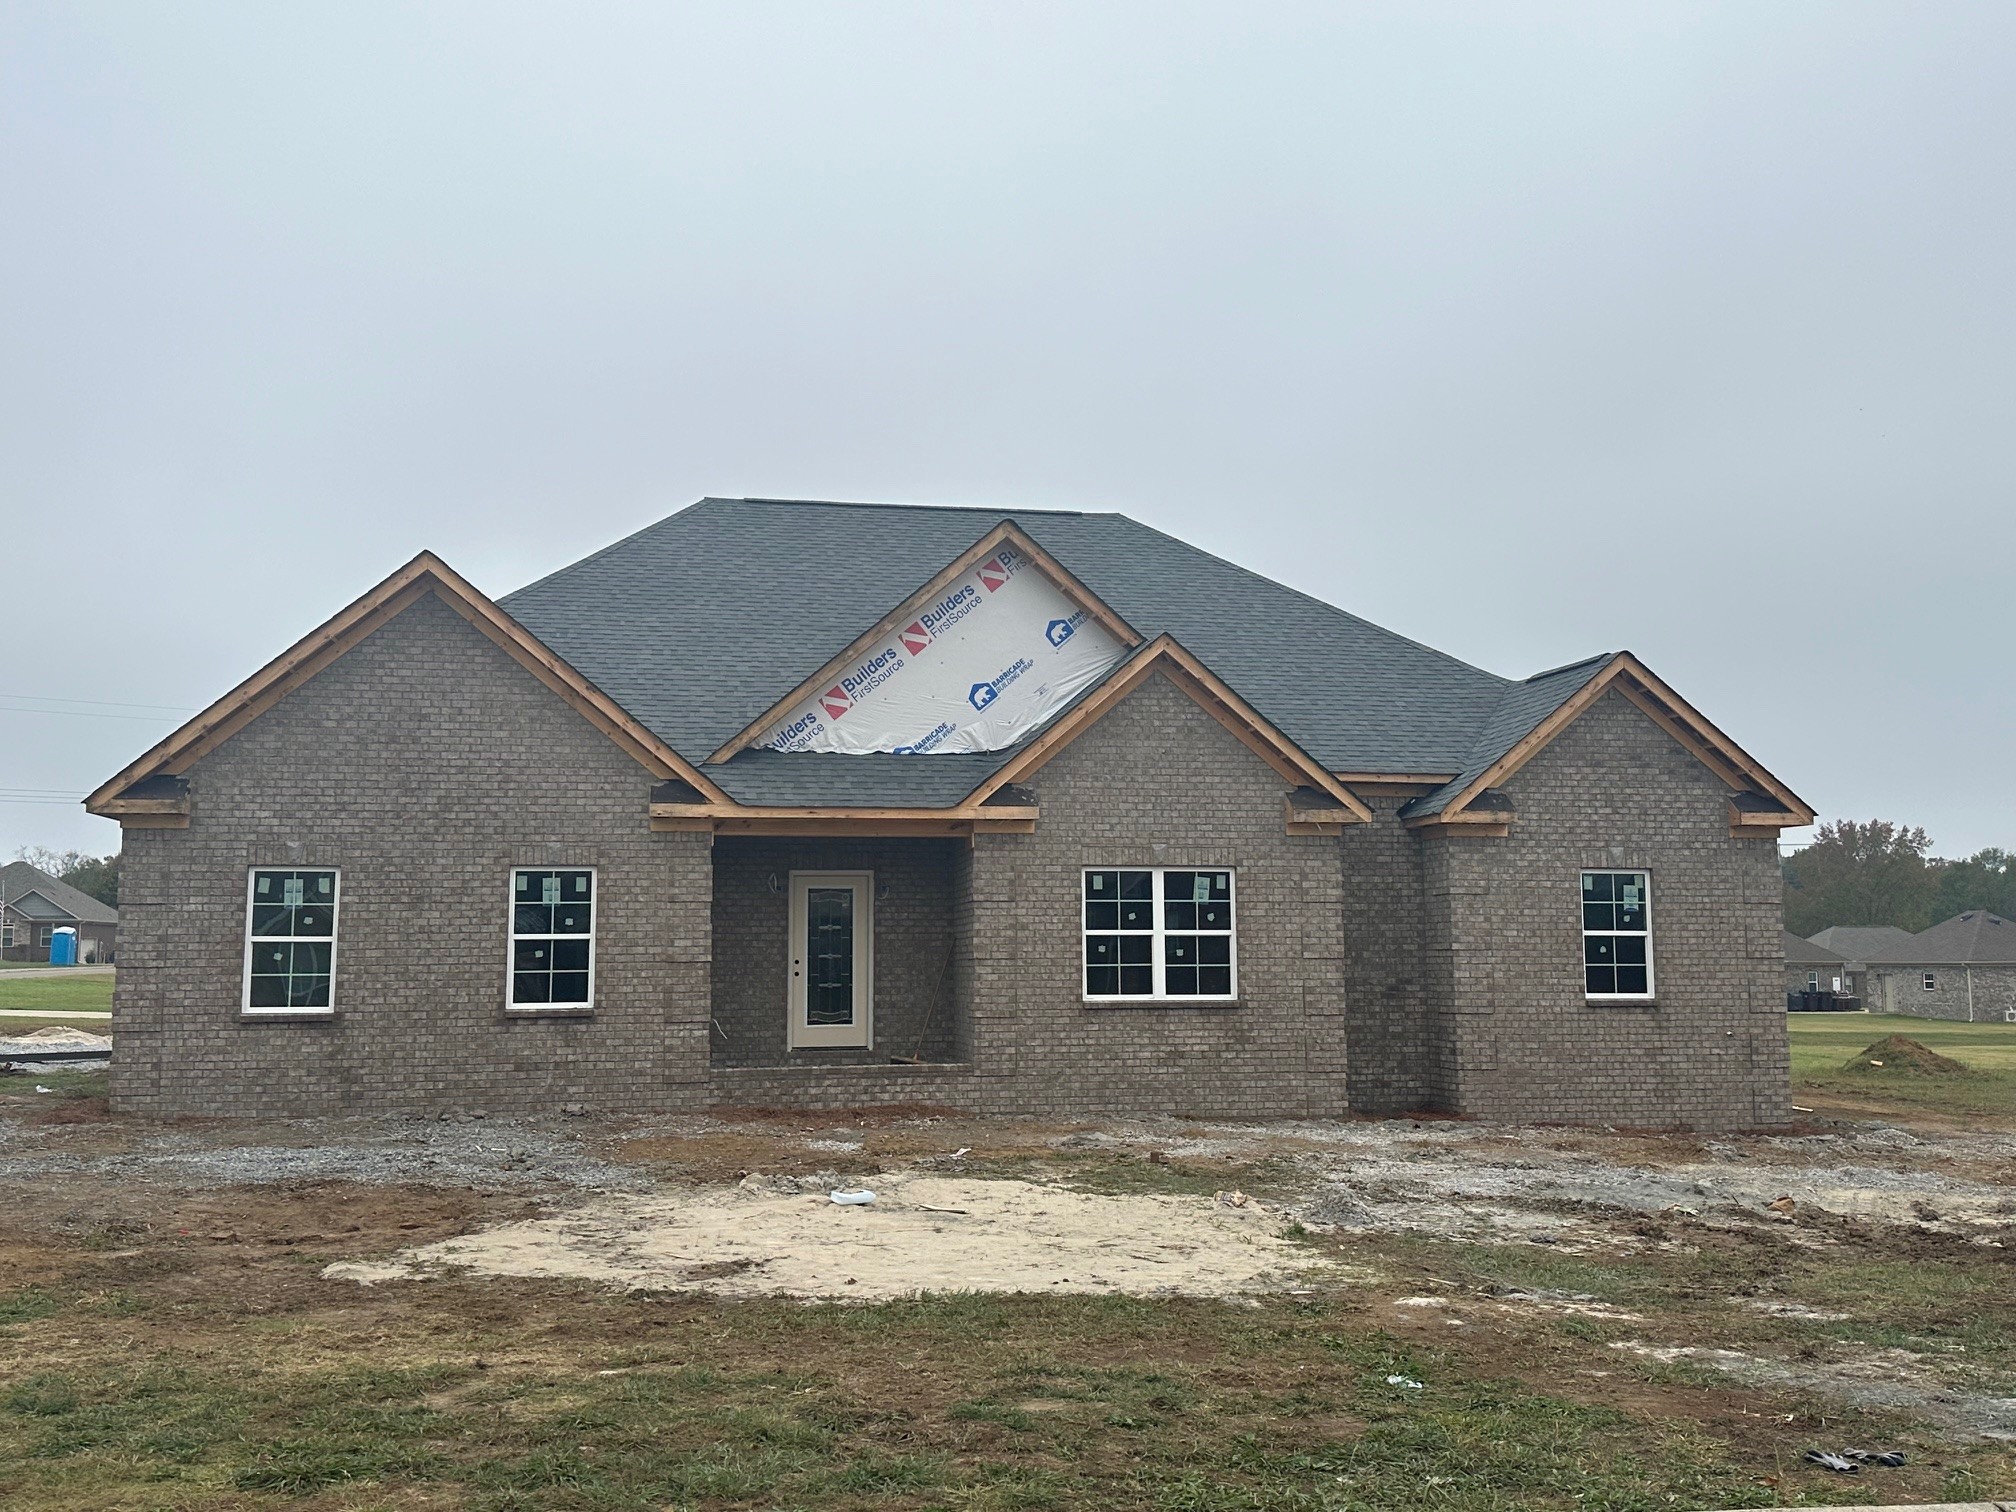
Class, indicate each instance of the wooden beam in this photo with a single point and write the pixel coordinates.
(1007, 533)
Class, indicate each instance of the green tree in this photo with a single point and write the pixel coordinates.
(1986, 879)
(97, 876)
(1861, 873)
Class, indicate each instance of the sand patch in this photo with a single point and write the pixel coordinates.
(924, 1233)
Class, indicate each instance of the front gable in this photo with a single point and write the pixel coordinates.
(152, 791)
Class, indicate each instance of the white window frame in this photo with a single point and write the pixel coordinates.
(1158, 962)
(1583, 934)
(251, 940)
(6, 936)
(45, 936)
(1931, 982)
(512, 937)
(1813, 981)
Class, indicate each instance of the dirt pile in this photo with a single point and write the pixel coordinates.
(1897, 1055)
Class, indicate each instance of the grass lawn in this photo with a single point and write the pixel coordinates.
(58, 995)
(1823, 1043)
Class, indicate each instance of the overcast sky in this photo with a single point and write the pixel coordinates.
(1529, 331)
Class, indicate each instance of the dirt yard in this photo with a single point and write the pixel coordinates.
(649, 1313)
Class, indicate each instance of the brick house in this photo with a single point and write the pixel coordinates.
(1962, 969)
(1814, 968)
(34, 905)
(1856, 945)
(803, 804)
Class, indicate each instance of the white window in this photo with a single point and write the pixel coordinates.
(290, 941)
(1616, 934)
(1813, 981)
(1931, 982)
(44, 935)
(553, 937)
(1156, 932)
(6, 936)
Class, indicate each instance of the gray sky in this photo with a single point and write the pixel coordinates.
(1528, 331)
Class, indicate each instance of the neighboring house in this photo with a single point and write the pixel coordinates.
(1814, 968)
(34, 905)
(819, 805)
(1962, 969)
(1856, 943)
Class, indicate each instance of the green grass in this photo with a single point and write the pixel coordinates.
(58, 995)
(1823, 1043)
(970, 1402)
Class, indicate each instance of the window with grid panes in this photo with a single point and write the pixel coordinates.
(552, 937)
(290, 933)
(1616, 934)
(1158, 932)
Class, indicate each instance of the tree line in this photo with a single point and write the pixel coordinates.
(1877, 872)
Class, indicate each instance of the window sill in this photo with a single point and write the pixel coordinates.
(1161, 1002)
(286, 1015)
(549, 1011)
(1620, 1001)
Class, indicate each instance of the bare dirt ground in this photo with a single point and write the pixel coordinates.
(1753, 1294)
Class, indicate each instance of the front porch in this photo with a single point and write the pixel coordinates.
(836, 953)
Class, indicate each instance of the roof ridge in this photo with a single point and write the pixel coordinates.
(1005, 513)
(616, 545)
(1600, 656)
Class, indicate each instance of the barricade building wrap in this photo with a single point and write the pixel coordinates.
(993, 657)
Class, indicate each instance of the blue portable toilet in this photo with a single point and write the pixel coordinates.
(63, 947)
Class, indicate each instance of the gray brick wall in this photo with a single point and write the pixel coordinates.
(1967, 994)
(1158, 782)
(425, 764)
(1392, 1066)
(1613, 790)
(915, 886)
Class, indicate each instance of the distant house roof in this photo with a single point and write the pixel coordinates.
(1800, 952)
(60, 899)
(1858, 942)
(1974, 938)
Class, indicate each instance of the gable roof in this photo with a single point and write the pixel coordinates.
(700, 623)
(1532, 713)
(1974, 938)
(1800, 952)
(425, 574)
(18, 877)
(1858, 942)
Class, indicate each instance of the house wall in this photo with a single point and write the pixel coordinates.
(1392, 1065)
(1969, 994)
(1158, 782)
(425, 764)
(1796, 977)
(1611, 791)
(916, 884)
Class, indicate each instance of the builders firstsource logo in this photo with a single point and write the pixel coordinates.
(835, 701)
(997, 569)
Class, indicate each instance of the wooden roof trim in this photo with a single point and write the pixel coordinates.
(314, 652)
(1672, 713)
(1007, 533)
(1204, 687)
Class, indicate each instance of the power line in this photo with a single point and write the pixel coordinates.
(100, 703)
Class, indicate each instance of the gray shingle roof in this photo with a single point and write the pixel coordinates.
(1974, 938)
(18, 877)
(1519, 709)
(1800, 952)
(1857, 942)
(699, 623)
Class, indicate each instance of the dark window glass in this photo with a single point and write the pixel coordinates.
(1137, 981)
(1599, 916)
(1102, 915)
(1136, 950)
(1596, 887)
(1630, 950)
(1181, 981)
(1632, 979)
(552, 927)
(1601, 979)
(1214, 950)
(291, 927)
(1214, 981)
(1179, 915)
(1102, 950)
(1102, 981)
(1137, 914)
(1616, 925)
(1137, 886)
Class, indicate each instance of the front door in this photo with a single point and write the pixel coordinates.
(832, 959)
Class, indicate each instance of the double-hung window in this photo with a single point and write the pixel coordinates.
(1616, 934)
(290, 941)
(553, 937)
(1159, 932)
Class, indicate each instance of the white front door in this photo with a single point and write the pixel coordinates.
(832, 959)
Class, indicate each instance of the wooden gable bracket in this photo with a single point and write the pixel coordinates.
(1007, 533)
(1760, 804)
(1316, 798)
(130, 797)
